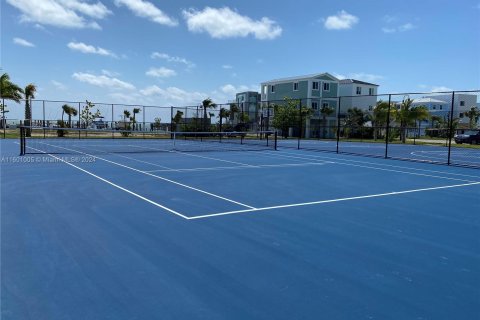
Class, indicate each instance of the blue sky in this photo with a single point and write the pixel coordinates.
(180, 52)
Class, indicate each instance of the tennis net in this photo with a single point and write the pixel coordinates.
(94, 141)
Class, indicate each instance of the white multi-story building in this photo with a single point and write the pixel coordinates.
(357, 94)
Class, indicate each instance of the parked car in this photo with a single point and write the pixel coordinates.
(473, 138)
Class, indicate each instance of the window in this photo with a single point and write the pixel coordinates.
(434, 107)
(272, 89)
(359, 90)
(315, 85)
(462, 103)
(461, 115)
(325, 105)
(264, 89)
(295, 86)
(370, 108)
(441, 107)
(326, 86)
(315, 105)
(371, 91)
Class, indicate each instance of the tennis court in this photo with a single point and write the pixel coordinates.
(90, 231)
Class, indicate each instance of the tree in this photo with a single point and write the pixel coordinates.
(206, 104)
(473, 115)
(70, 111)
(325, 111)
(9, 90)
(380, 116)
(234, 109)
(157, 123)
(176, 120)
(126, 115)
(87, 116)
(420, 113)
(30, 90)
(135, 111)
(224, 113)
(404, 117)
(285, 116)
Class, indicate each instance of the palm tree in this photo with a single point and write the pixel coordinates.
(404, 116)
(206, 104)
(30, 90)
(234, 109)
(325, 111)
(126, 115)
(420, 113)
(70, 111)
(135, 111)
(224, 113)
(9, 90)
(473, 114)
(380, 116)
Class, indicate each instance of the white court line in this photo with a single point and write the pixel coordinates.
(310, 156)
(329, 201)
(115, 185)
(155, 176)
(198, 156)
(376, 168)
(142, 161)
(245, 167)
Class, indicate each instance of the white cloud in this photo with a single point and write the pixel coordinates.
(102, 81)
(402, 28)
(406, 27)
(159, 55)
(109, 73)
(85, 48)
(161, 72)
(61, 13)
(227, 66)
(389, 30)
(59, 85)
(225, 23)
(440, 89)
(389, 19)
(174, 95)
(147, 10)
(360, 76)
(343, 20)
(23, 42)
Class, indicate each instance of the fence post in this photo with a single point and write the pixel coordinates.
(387, 133)
(300, 124)
(143, 118)
(338, 121)
(450, 129)
(43, 107)
(171, 122)
(79, 122)
(4, 121)
(111, 125)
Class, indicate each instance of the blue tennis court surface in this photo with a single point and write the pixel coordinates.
(287, 234)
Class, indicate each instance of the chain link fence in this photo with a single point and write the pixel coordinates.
(439, 127)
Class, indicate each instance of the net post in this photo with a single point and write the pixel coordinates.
(338, 121)
(387, 133)
(275, 141)
(174, 138)
(21, 141)
(172, 135)
(450, 129)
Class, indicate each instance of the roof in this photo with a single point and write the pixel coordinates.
(348, 81)
(308, 76)
(427, 100)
